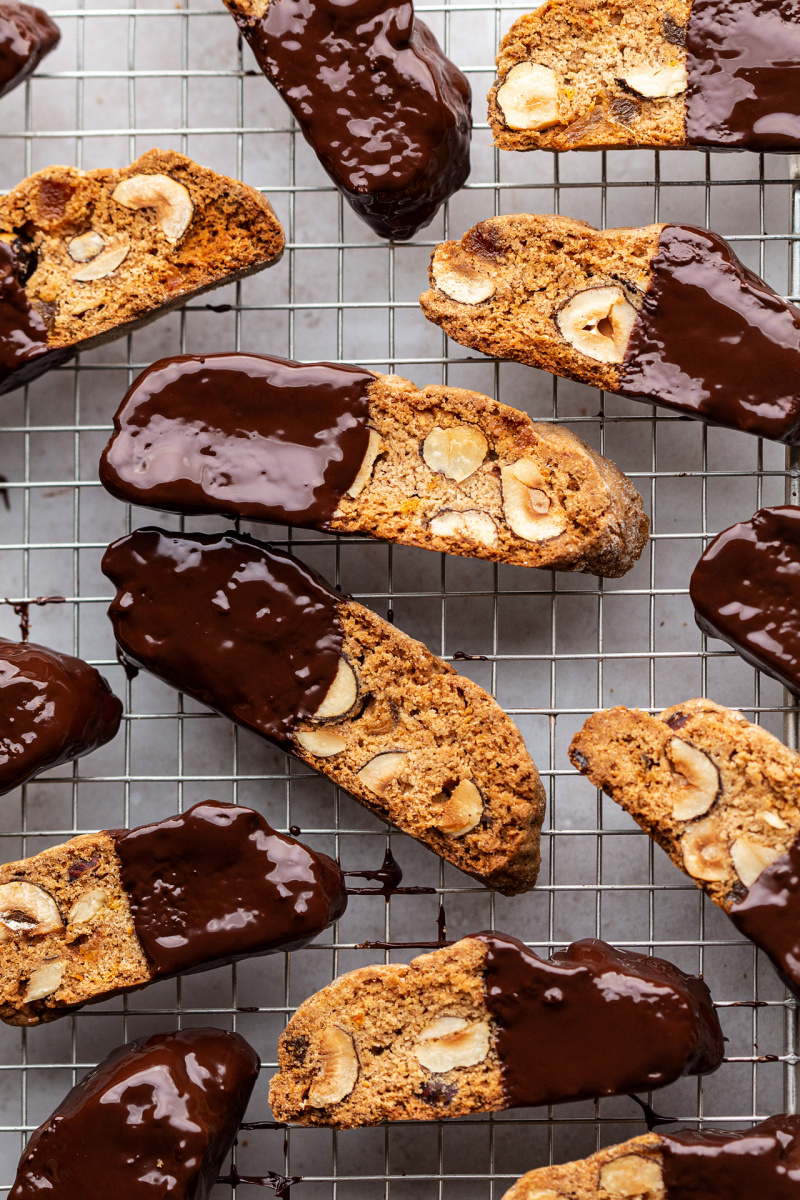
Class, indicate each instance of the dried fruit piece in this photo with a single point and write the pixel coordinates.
(374, 447)
(87, 906)
(102, 266)
(633, 1175)
(702, 780)
(338, 1068)
(465, 523)
(44, 981)
(341, 697)
(598, 323)
(170, 199)
(462, 283)
(750, 858)
(27, 908)
(528, 509)
(528, 97)
(379, 772)
(456, 452)
(86, 246)
(704, 855)
(452, 1042)
(657, 83)
(321, 742)
(462, 810)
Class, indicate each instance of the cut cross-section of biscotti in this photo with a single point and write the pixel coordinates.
(720, 795)
(86, 256)
(485, 1024)
(715, 1164)
(111, 911)
(651, 313)
(341, 449)
(26, 35)
(255, 634)
(658, 73)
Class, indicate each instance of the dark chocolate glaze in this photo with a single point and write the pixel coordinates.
(216, 883)
(23, 333)
(386, 113)
(770, 915)
(26, 35)
(248, 630)
(594, 1021)
(746, 591)
(153, 1121)
(52, 708)
(240, 434)
(743, 66)
(762, 1163)
(714, 341)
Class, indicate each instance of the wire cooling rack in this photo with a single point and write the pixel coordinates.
(551, 647)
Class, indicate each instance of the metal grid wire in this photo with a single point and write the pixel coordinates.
(551, 647)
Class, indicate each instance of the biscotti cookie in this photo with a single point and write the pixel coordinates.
(340, 449)
(649, 312)
(115, 910)
(255, 634)
(708, 1164)
(156, 1118)
(746, 590)
(86, 256)
(721, 797)
(664, 73)
(486, 1024)
(386, 113)
(53, 708)
(26, 35)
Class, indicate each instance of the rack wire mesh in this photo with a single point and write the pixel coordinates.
(551, 647)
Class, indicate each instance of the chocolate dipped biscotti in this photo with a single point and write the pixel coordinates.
(664, 73)
(155, 1119)
(26, 35)
(485, 1025)
(690, 1164)
(111, 911)
(665, 313)
(341, 449)
(386, 113)
(53, 708)
(86, 256)
(721, 797)
(262, 639)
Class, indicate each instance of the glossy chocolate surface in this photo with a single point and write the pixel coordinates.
(217, 883)
(746, 591)
(770, 915)
(714, 341)
(594, 1021)
(26, 35)
(153, 1121)
(23, 334)
(240, 434)
(53, 708)
(386, 113)
(248, 630)
(762, 1163)
(743, 65)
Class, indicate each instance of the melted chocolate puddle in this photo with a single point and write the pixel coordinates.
(390, 876)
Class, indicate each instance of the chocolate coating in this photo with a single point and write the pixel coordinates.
(715, 1164)
(26, 35)
(770, 915)
(154, 1120)
(594, 1021)
(241, 434)
(743, 67)
(746, 591)
(249, 631)
(53, 708)
(23, 334)
(385, 112)
(714, 341)
(216, 883)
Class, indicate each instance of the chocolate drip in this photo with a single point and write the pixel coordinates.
(154, 1119)
(52, 708)
(215, 884)
(240, 434)
(763, 1162)
(22, 609)
(26, 35)
(247, 630)
(280, 1184)
(23, 333)
(594, 1021)
(441, 938)
(652, 1119)
(389, 875)
(743, 65)
(714, 341)
(746, 591)
(770, 915)
(386, 113)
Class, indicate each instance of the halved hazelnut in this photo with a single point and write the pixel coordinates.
(702, 780)
(322, 743)
(633, 1175)
(452, 1042)
(527, 508)
(374, 447)
(105, 264)
(170, 199)
(460, 281)
(26, 908)
(657, 83)
(379, 772)
(598, 323)
(704, 855)
(456, 452)
(341, 697)
(87, 906)
(750, 858)
(44, 981)
(462, 810)
(469, 523)
(85, 246)
(337, 1071)
(528, 97)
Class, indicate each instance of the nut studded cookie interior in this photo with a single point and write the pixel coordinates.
(631, 1169)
